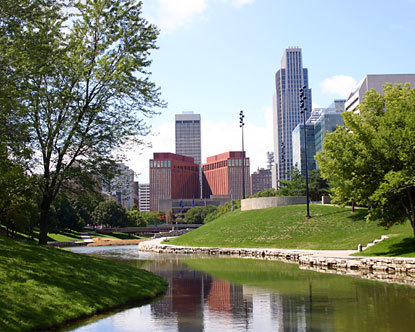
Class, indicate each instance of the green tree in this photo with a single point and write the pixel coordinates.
(293, 187)
(136, 218)
(82, 84)
(110, 213)
(197, 214)
(371, 159)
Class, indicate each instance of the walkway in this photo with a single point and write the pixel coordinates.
(85, 237)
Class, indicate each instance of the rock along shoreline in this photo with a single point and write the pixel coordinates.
(399, 270)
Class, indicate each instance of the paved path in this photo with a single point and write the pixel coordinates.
(85, 237)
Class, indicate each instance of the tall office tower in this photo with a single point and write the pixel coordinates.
(286, 110)
(188, 139)
(270, 160)
(188, 142)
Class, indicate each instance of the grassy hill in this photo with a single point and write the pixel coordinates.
(330, 227)
(43, 286)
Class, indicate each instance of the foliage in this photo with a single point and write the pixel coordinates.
(266, 193)
(371, 159)
(76, 73)
(136, 218)
(197, 214)
(151, 218)
(41, 286)
(331, 227)
(110, 213)
(223, 209)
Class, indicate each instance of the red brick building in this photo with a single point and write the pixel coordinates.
(222, 175)
(172, 176)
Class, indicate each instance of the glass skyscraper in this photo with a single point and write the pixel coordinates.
(286, 110)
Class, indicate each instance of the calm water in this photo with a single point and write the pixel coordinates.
(227, 294)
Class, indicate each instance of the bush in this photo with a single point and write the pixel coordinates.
(198, 214)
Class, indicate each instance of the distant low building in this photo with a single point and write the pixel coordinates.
(261, 180)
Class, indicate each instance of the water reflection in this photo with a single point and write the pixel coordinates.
(250, 295)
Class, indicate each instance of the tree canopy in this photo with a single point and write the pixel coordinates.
(75, 73)
(371, 159)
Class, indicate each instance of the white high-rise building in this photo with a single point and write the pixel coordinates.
(144, 197)
(121, 187)
(286, 110)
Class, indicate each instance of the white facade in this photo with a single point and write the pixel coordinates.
(144, 197)
(121, 187)
(375, 82)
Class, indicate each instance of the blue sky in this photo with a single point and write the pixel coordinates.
(217, 57)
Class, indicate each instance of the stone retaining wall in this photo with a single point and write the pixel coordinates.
(267, 202)
(394, 269)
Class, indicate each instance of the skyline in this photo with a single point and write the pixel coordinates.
(217, 57)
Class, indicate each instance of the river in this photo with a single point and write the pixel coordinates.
(236, 294)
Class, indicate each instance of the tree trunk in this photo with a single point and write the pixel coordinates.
(43, 221)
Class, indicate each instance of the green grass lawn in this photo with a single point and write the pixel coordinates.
(42, 286)
(73, 236)
(330, 227)
(396, 245)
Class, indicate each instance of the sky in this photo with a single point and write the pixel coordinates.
(217, 57)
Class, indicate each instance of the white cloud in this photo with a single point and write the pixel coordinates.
(170, 15)
(241, 3)
(339, 85)
(217, 137)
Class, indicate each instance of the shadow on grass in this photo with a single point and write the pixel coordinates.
(405, 247)
(358, 215)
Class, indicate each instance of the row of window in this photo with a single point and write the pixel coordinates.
(224, 163)
(188, 121)
(160, 163)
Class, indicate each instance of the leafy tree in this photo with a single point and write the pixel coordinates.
(151, 218)
(110, 213)
(371, 159)
(78, 78)
(136, 218)
(197, 215)
(222, 209)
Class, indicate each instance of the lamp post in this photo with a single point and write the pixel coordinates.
(303, 109)
(242, 124)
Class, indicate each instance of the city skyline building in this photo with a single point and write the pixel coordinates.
(188, 139)
(144, 197)
(375, 82)
(222, 175)
(172, 176)
(286, 109)
(121, 186)
(260, 180)
(326, 120)
(298, 144)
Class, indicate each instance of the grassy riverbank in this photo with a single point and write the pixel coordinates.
(43, 286)
(330, 227)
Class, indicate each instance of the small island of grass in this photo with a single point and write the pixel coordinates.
(42, 287)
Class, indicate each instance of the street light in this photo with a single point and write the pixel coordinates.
(303, 109)
(242, 124)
